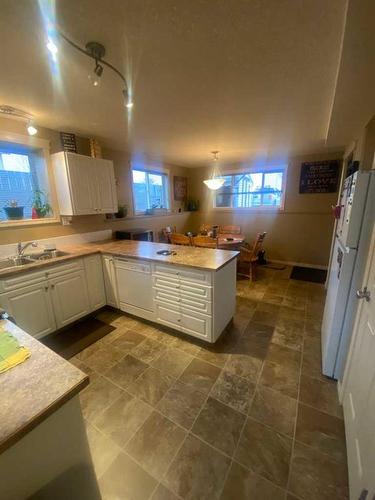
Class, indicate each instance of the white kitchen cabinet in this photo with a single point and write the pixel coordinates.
(95, 281)
(110, 280)
(85, 185)
(31, 307)
(69, 297)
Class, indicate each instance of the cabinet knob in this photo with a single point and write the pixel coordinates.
(46, 288)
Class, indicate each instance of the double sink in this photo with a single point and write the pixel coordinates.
(24, 260)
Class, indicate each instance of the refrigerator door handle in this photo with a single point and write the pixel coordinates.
(364, 294)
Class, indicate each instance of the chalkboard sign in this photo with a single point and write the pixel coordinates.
(68, 142)
(319, 176)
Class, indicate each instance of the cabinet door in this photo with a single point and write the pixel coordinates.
(105, 186)
(196, 324)
(110, 281)
(168, 315)
(31, 307)
(69, 297)
(82, 184)
(95, 281)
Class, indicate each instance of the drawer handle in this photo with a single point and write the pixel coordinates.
(46, 288)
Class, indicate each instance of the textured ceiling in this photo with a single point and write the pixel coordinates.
(247, 78)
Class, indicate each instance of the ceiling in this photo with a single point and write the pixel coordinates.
(248, 78)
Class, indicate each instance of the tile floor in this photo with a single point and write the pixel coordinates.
(250, 417)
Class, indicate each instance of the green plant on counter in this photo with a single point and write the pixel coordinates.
(41, 206)
(122, 212)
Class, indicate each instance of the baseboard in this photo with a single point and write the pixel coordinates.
(300, 264)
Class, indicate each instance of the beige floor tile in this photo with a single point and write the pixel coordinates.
(181, 404)
(98, 396)
(123, 418)
(126, 371)
(315, 476)
(128, 340)
(155, 443)
(148, 350)
(200, 375)
(242, 484)
(244, 365)
(104, 358)
(103, 450)
(151, 386)
(234, 391)
(198, 471)
(321, 395)
(219, 425)
(162, 493)
(172, 362)
(282, 378)
(321, 431)
(125, 479)
(274, 409)
(265, 452)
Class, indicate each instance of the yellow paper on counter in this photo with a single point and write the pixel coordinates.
(11, 352)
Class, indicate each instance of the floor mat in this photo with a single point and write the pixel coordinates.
(308, 274)
(77, 337)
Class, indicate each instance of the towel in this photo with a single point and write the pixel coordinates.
(11, 352)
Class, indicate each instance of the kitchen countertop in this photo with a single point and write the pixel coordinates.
(35, 389)
(200, 258)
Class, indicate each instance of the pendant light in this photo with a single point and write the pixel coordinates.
(216, 181)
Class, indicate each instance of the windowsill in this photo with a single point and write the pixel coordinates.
(144, 216)
(250, 210)
(28, 222)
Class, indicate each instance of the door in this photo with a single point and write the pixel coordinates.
(69, 297)
(31, 307)
(95, 281)
(82, 177)
(110, 281)
(196, 324)
(106, 186)
(359, 389)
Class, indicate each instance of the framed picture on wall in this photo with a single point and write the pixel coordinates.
(319, 177)
(179, 188)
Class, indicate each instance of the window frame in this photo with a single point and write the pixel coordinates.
(44, 146)
(256, 170)
(156, 171)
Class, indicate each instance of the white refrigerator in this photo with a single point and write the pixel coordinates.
(352, 238)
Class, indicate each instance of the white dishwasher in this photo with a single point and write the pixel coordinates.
(134, 283)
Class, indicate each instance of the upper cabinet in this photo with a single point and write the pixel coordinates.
(85, 185)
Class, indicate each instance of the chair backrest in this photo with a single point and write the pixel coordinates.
(167, 231)
(179, 239)
(205, 242)
(205, 228)
(248, 253)
(230, 230)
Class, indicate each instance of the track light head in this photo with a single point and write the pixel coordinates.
(128, 101)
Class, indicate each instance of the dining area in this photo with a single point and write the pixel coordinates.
(222, 238)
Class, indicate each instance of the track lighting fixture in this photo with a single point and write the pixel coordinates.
(31, 130)
(97, 51)
(21, 115)
(216, 181)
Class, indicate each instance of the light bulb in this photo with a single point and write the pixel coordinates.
(215, 183)
(94, 80)
(129, 104)
(52, 47)
(127, 99)
(31, 130)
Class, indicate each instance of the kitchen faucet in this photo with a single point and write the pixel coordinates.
(21, 248)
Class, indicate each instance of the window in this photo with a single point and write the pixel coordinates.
(258, 189)
(24, 186)
(150, 190)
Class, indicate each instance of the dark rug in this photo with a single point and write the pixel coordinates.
(308, 274)
(75, 338)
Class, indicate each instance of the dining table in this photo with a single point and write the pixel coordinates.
(230, 243)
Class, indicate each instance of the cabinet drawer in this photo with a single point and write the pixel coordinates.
(22, 280)
(195, 290)
(166, 284)
(183, 273)
(169, 316)
(202, 306)
(198, 325)
(165, 296)
(66, 267)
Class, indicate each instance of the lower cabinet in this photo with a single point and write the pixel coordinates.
(95, 281)
(69, 297)
(190, 322)
(32, 309)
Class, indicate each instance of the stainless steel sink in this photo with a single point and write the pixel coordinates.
(47, 255)
(15, 262)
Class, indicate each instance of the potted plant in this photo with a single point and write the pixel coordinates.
(192, 205)
(40, 205)
(122, 212)
(13, 211)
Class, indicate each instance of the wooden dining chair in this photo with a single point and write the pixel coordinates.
(204, 242)
(249, 257)
(167, 231)
(205, 228)
(180, 239)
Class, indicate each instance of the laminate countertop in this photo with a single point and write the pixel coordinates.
(200, 258)
(34, 389)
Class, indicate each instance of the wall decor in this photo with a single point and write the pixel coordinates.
(68, 142)
(319, 176)
(179, 188)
